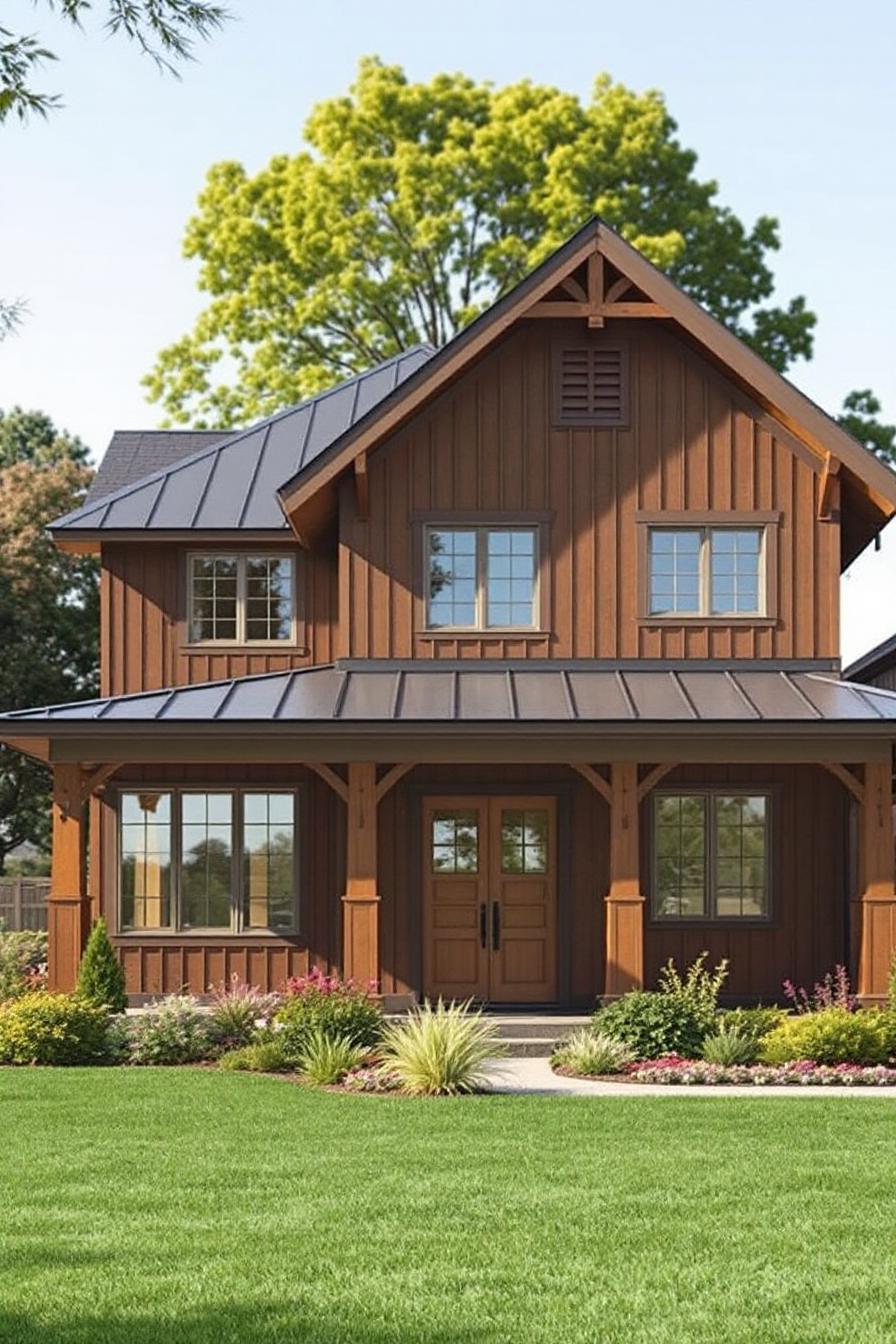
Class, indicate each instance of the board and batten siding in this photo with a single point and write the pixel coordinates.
(488, 445)
(142, 620)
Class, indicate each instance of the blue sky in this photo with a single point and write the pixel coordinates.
(791, 107)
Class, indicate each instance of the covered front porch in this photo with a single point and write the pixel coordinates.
(508, 834)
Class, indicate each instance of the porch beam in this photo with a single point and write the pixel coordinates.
(68, 907)
(876, 907)
(361, 902)
(624, 968)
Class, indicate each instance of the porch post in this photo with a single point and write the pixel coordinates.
(68, 908)
(876, 907)
(361, 902)
(625, 903)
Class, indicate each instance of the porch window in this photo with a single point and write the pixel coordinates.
(706, 571)
(221, 859)
(481, 578)
(241, 599)
(711, 855)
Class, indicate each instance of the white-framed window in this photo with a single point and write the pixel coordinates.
(481, 578)
(706, 571)
(209, 859)
(241, 598)
(711, 854)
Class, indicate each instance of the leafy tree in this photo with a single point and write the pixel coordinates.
(101, 975)
(163, 29)
(414, 205)
(859, 417)
(48, 606)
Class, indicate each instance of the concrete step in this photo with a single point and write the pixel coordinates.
(529, 1047)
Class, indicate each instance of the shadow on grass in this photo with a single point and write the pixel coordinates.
(278, 1323)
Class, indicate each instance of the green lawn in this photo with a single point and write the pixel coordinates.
(177, 1207)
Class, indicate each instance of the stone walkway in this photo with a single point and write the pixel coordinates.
(535, 1078)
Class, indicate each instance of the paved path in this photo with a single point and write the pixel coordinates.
(534, 1076)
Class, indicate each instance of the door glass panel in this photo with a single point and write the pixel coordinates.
(524, 840)
(455, 842)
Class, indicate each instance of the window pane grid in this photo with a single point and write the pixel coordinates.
(455, 842)
(268, 860)
(241, 599)
(481, 578)
(711, 856)
(701, 571)
(145, 860)
(524, 841)
(675, 562)
(735, 559)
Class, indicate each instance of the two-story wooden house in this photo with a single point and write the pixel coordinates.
(506, 670)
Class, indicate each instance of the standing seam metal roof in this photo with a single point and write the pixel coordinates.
(233, 484)
(511, 694)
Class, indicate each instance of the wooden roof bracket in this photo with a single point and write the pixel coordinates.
(599, 302)
(827, 488)
(362, 487)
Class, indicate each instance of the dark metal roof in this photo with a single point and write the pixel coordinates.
(513, 693)
(879, 659)
(134, 454)
(233, 484)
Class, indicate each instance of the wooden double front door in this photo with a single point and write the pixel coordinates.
(490, 899)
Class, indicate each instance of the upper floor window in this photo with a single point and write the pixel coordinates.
(706, 571)
(241, 599)
(481, 578)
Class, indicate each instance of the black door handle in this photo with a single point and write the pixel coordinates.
(496, 925)
(483, 936)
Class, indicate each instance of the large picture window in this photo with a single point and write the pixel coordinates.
(241, 599)
(706, 571)
(711, 855)
(220, 859)
(481, 578)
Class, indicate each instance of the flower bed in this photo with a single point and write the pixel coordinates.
(676, 1072)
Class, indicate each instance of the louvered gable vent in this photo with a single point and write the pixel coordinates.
(590, 384)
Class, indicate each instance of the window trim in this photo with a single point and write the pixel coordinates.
(242, 555)
(482, 525)
(766, 520)
(710, 791)
(237, 926)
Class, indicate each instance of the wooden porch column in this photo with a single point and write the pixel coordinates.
(68, 908)
(625, 902)
(361, 902)
(876, 907)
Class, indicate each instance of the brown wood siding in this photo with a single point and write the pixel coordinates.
(169, 963)
(142, 602)
(886, 679)
(488, 445)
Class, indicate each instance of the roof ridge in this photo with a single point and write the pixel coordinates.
(229, 439)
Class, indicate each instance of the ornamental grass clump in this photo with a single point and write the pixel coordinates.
(238, 1012)
(326, 1059)
(441, 1051)
(42, 1028)
(101, 974)
(174, 1030)
(336, 1007)
(728, 1044)
(832, 1036)
(589, 1054)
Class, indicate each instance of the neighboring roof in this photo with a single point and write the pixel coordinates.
(879, 659)
(620, 699)
(136, 453)
(233, 484)
(770, 389)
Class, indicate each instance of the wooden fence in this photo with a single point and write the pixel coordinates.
(23, 902)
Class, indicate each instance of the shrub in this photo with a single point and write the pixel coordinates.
(834, 991)
(263, 1056)
(335, 1007)
(23, 962)
(891, 983)
(833, 1036)
(42, 1028)
(101, 975)
(698, 991)
(752, 1022)
(237, 1012)
(326, 1059)
(729, 1045)
(441, 1050)
(652, 1024)
(590, 1053)
(171, 1031)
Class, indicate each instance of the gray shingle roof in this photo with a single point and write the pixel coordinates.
(136, 453)
(233, 484)
(510, 693)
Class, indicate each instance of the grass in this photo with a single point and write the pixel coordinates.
(193, 1206)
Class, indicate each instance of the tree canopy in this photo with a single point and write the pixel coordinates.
(414, 205)
(49, 614)
(859, 417)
